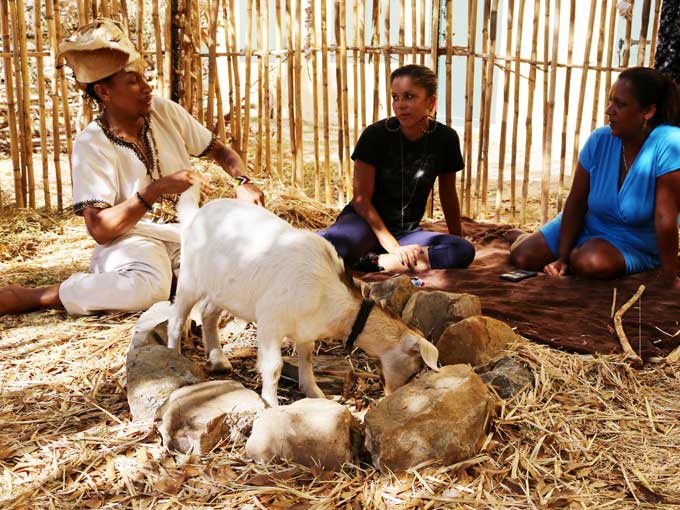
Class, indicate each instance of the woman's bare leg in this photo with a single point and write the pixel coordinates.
(391, 262)
(17, 299)
(597, 259)
(531, 252)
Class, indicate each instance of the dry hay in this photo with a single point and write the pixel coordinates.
(592, 433)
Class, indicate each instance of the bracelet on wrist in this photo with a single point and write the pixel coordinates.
(241, 179)
(144, 202)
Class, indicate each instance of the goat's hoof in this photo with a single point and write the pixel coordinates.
(219, 365)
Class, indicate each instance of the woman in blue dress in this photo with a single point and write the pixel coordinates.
(621, 215)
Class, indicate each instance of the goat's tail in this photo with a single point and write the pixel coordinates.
(187, 205)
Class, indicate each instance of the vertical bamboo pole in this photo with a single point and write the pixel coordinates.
(504, 117)
(315, 102)
(212, 65)
(299, 119)
(167, 39)
(434, 37)
(220, 111)
(54, 97)
(610, 52)
(231, 42)
(290, 32)
(449, 53)
(245, 138)
(548, 133)
(402, 38)
(11, 108)
(515, 117)
(626, 46)
(26, 122)
(260, 88)
(188, 49)
(345, 108)
(64, 90)
(466, 184)
(324, 99)
(197, 66)
(126, 18)
(375, 41)
(85, 7)
(267, 92)
(341, 121)
(279, 91)
(37, 25)
(584, 78)
(567, 94)
(530, 109)
(644, 30)
(414, 31)
(422, 29)
(160, 78)
(362, 68)
(230, 74)
(105, 9)
(493, 30)
(598, 74)
(655, 32)
(115, 10)
(140, 25)
(82, 16)
(486, 13)
(388, 58)
(355, 74)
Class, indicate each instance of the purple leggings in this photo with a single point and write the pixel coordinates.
(353, 238)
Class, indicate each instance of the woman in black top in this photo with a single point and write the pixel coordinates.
(396, 162)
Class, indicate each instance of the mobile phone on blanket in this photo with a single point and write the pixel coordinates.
(518, 275)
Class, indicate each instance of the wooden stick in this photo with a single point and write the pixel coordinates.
(362, 68)
(160, 79)
(299, 119)
(402, 35)
(422, 29)
(644, 30)
(565, 116)
(291, 89)
(26, 124)
(434, 46)
(54, 96)
(236, 111)
(414, 31)
(655, 33)
(355, 74)
(105, 9)
(610, 52)
(627, 42)
(628, 352)
(493, 30)
(220, 111)
(449, 53)
(611, 315)
(345, 110)
(376, 61)
(324, 100)
(212, 66)
(598, 76)
(260, 79)
(64, 91)
(167, 40)
(197, 75)
(11, 107)
(515, 118)
(245, 138)
(41, 101)
(529, 120)
(315, 104)
(486, 13)
(115, 10)
(550, 103)
(267, 93)
(584, 78)
(125, 16)
(279, 92)
(140, 25)
(504, 115)
(466, 184)
(386, 49)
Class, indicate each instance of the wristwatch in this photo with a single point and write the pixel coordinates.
(241, 179)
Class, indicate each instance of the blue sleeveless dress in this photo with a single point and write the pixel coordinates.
(625, 217)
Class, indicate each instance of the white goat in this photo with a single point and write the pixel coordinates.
(242, 258)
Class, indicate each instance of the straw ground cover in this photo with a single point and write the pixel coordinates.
(591, 433)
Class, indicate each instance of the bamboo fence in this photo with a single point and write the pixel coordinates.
(293, 98)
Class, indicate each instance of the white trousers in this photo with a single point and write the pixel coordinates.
(128, 274)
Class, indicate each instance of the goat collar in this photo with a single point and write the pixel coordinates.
(359, 323)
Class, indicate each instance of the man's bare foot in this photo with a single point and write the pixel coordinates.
(392, 262)
(17, 299)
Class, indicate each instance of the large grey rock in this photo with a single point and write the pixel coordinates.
(309, 432)
(475, 340)
(195, 418)
(152, 326)
(153, 373)
(509, 377)
(440, 416)
(431, 312)
(393, 293)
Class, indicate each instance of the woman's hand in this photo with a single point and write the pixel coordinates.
(557, 267)
(250, 193)
(179, 182)
(408, 254)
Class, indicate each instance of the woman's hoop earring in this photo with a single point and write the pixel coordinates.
(427, 129)
(644, 124)
(387, 125)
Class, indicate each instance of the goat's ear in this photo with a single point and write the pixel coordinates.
(428, 352)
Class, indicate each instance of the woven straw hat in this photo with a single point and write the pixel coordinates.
(98, 50)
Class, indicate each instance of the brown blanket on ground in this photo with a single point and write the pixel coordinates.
(568, 313)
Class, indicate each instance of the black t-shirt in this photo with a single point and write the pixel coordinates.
(405, 171)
